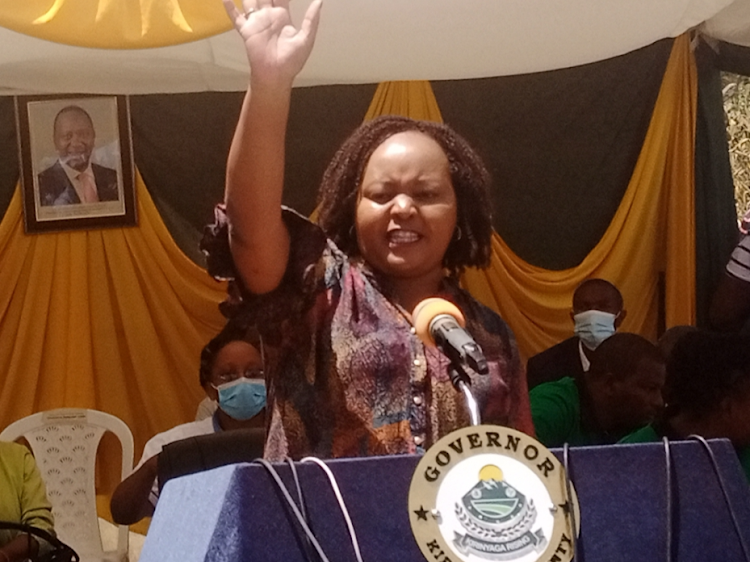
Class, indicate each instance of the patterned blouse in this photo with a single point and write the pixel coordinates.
(346, 374)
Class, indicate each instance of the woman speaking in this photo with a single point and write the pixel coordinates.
(404, 207)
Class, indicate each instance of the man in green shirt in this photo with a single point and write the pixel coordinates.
(707, 393)
(620, 392)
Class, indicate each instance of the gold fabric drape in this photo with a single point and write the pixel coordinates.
(116, 24)
(413, 99)
(111, 319)
(115, 319)
(652, 232)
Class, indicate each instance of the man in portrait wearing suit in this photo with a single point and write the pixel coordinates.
(597, 313)
(74, 179)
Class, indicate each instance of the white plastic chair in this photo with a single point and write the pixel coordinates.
(64, 443)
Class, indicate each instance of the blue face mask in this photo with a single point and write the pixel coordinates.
(594, 326)
(243, 398)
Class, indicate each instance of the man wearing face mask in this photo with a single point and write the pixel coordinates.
(597, 314)
(231, 373)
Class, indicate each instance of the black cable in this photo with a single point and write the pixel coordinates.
(301, 520)
(723, 487)
(668, 480)
(60, 551)
(571, 506)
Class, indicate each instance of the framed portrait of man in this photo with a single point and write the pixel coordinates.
(76, 162)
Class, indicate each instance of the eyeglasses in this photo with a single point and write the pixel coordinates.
(251, 373)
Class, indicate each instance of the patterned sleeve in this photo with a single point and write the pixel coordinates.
(739, 264)
(308, 244)
(35, 507)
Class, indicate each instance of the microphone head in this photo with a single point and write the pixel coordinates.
(427, 310)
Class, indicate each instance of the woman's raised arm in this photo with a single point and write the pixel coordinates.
(276, 51)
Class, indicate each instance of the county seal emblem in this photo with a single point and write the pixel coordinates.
(492, 493)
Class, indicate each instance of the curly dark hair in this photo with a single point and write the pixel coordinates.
(337, 198)
(704, 369)
(233, 331)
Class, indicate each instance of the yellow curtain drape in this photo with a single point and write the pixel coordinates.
(110, 319)
(115, 24)
(652, 232)
(413, 98)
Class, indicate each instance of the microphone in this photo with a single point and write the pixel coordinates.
(440, 323)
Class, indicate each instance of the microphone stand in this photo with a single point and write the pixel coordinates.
(462, 351)
(461, 381)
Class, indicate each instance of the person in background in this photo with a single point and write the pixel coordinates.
(670, 337)
(619, 393)
(404, 207)
(707, 393)
(22, 500)
(730, 305)
(231, 373)
(597, 313)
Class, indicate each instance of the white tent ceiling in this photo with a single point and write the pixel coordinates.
(363, 41)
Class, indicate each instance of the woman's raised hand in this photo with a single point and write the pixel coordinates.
(276, 49)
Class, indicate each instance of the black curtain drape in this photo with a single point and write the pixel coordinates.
(181, 144)
(561, 147)
(8, 152)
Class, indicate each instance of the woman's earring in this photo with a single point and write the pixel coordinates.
(458, 234)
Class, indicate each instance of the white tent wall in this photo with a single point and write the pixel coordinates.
(732, 24)
(361, 41)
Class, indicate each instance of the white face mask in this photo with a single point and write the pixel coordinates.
(594, 326)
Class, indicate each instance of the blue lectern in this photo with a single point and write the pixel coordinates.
(237, 514)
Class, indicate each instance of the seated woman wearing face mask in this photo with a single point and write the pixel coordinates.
(231, 373)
